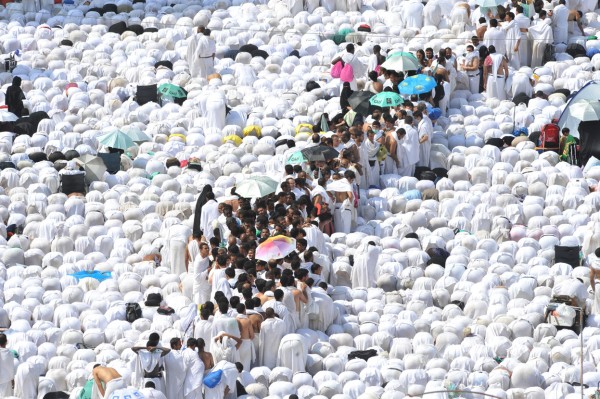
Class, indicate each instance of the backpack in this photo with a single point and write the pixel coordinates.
(550, 137)
(133, 311)
(347, 74)
(336, 69)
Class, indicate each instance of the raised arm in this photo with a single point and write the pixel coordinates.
(238, 341)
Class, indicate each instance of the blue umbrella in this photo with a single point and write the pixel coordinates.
(417, 84)
(100, 276)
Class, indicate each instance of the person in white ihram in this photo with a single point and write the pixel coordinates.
(201, 54)
(201, 269)
(495, 75)
(348, 57)
(194, 369)
(106, 381)
(594, 264)
(7, 368)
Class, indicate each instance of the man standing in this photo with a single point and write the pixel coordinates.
(542, 36)
(246, 350)
(201, 54)
(471, 67)
(7, 368)
(495, 75)
(174, 370)
(411, 143)
(272, 331)
(425, 129)
(201, 268)
(194, 370)
(560, 23)
(348, 57)
(496, 37)
(148, 365)
(513, 40)
(368, 157)
(524, 45)
(208, 214)
(106, 381)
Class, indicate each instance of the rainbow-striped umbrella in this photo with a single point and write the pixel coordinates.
(275, 247)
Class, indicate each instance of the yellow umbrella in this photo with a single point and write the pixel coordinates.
(252, 130)
(178, 135)
(304, 128)
(233, 138)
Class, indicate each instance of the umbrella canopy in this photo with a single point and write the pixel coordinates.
(256, 187)
(126, 393)
(136, 134)
(93, 166)
(340, 36)
(488, 3)
(359, 101)
(275, 247)
(100, 276)
(417, 84)
(320, 153)
(386, 99)
(401, 61)
(585, 110)
(233, 138)
(171, 90)
(297, 158)
(116, 139)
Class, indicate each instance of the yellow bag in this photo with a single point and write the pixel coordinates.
(382, 153)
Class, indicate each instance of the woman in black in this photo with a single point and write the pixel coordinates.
(14, 97)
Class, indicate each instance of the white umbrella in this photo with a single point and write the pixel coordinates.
(585, 110)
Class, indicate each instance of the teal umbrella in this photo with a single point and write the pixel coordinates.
(171, 90)
(340, 36)
(297, 158)
(386, 99)
(136, 134)
(116, 139)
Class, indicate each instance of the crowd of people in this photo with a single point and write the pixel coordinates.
(423, 241)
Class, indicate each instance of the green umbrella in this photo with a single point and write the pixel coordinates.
(401, 61)
(136, 134)
(116, 139)
(340, 36)
(386, 99)
(297, 158)
(171, 90)
(256, 187)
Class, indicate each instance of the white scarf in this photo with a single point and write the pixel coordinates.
(372, 148)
